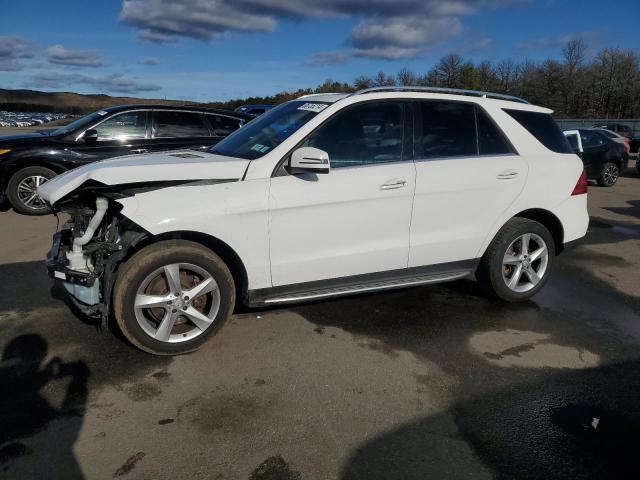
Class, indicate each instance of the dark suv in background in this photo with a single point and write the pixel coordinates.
(253, 110)
(27, 161)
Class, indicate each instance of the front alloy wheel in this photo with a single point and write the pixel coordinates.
(171, 296)
(22, 190)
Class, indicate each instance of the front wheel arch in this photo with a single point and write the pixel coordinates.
(228, 255)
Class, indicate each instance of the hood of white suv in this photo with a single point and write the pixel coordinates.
(133, 169)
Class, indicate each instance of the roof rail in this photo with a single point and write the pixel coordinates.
(451, 91)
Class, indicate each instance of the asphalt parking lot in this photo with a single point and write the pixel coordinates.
(427, 383)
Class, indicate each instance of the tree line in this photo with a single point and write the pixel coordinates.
(606, 85)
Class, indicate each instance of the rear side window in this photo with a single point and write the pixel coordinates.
(448, 130)
(544, 128)
(223, 126)
(180, 125)
(491, 141)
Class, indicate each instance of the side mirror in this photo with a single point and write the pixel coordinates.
(309, 159)
(90, 136)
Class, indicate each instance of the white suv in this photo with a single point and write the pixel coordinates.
(326, 195)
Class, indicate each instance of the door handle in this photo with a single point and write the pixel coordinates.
(507, 174)
(139, 150)
(393, 184)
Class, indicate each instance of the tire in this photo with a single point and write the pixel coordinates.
(22, 185)
(494, 273)
(144, 273)
(609, 175)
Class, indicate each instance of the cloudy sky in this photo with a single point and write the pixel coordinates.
(218, 49)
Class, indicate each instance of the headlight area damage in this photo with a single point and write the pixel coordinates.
(87, 250)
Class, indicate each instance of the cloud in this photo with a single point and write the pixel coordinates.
(546, 43)
(387, 29)
(60, 55)
(323, 59)
(401, 37)
(116, 82)
(150, 61)
(12, 49)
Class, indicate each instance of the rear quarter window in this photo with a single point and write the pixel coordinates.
(544, 128)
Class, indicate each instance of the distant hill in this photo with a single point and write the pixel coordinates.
(67, 102)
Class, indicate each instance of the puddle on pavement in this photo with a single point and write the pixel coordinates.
(523, 349)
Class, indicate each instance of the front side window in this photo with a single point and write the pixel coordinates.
(266, 132)
(363, 134)
(124, 126)
(180, 125)
(448, 130)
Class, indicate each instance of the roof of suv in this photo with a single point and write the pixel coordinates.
(507, 101)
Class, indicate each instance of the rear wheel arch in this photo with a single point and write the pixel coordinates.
(550, 221)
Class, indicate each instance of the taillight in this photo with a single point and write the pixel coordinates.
(582, 185)
(627, 146)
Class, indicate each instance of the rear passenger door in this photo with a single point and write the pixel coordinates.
(467, 174)
(173, 129)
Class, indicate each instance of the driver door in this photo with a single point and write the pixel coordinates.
(355, 219)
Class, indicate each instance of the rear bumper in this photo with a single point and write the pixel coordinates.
(574, 216)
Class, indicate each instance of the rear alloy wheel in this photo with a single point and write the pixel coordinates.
(609, 175)
(518, 262)
(171, 296)
(22, 190)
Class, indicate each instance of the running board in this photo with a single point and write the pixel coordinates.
(362, 287)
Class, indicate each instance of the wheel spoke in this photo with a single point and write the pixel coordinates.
(151, 301)
(166, 325)
(515, 278)
(536, 254)
(533, 276)
(172, 273)
(526, 238)
(24, 188)
(510, 260)
(199, 319)
(31, 199)
(205, 286)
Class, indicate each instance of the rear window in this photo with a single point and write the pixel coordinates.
(544, 128)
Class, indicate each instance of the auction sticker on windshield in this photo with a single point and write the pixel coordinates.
(313, 107)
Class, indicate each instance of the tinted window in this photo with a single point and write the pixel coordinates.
(591, 139)
(491, 141)
(180, 124)
(124, 126)
(256, 111)
(223, 126)
(269, 130)
(448, 130)
(544, 128)
(364, 134)
(573, 141)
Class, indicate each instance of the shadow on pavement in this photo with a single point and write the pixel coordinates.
(24, 411)
(575, 424)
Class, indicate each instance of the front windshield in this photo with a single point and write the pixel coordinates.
(80, 123)
(269, 130)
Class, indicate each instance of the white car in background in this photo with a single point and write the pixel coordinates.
(326, 195)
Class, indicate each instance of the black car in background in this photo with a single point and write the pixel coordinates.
(27, 161)
(253, 110)
(602, 157)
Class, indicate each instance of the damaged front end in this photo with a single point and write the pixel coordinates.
(87, 250)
